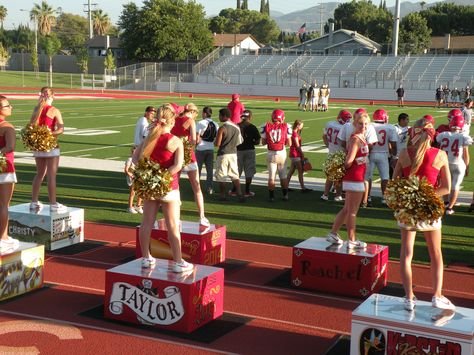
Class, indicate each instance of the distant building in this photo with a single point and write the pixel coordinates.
(235, 44)
(340, 42)
(452, 44)
(98, 46)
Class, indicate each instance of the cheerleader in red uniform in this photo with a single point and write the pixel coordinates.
(165, 149)
(7, 174)
(296, 155)
(353, 185)
(185, 126)
(47, 163)
(420, 159)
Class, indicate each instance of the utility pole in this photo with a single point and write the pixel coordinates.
(321, 27)
(89, 15)
(396, 25)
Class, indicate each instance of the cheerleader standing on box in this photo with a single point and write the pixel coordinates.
(424, 161)
(185, 126)
(7, 173)
(163, 148)
(353, 184)
(47, 163)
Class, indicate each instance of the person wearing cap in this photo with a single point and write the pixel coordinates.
(205, 146)
(236, 109)
(227, 140)
(141, 128)
(246, 157)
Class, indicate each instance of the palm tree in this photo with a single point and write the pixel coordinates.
(44, 16)
(100, 22)
(422, 5)
(3, 14)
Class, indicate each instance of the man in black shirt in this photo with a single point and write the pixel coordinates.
(400, 94)
(246, 151)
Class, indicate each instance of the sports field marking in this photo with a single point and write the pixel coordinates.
(97, 148)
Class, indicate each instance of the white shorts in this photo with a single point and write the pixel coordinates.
(324, 100)
(173, 195)
(226, 165)
(379, 160)
(276, 163)
(457, 175)
(356, 186)
(52, 153)
(8, 178)
(422, 226)
(190, 167)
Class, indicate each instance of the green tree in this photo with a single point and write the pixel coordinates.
(44, 16)
(109, 61)
(259, 25)
(262, 6)
(72, 30)
(34, 60)
(238, 5)
(4, 57)
(165, 30)
(267, 8)
(100, 22)
(3, 14)
(82, 59)
(415, 36)
(450, 18)
(51, 45)
(245, 5)
(365, 18)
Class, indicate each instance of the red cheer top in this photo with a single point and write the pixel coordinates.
(44, 120)
(164, 157)
(426, 168)
(9, 156)
(356, 171)
(179, 131)
(294, 153)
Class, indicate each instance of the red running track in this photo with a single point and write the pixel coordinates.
(283, 320)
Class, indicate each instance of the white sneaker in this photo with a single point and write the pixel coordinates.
(182, 266)
(409, 304)
(334, 238)
(36, 206)
(443, 317)
(204, 222)
(148, 263)
(139, 209)
(338, 198)
(324, 197)
(442, 303)
(58, 208)
(132, 210)
(356, 244)
(9, 243)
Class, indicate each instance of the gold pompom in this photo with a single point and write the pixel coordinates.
(188, 148)
(334, 166)
(150, 181)
(38, 138)
(3, 163)
(413, 200)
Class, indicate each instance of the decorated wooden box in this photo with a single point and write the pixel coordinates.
(381, 325)
(321, 266)
(205, 246)
(163, 299)
(21, 270)
(53, 230)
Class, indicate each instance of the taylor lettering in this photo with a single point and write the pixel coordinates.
(409, 344)
(148, 308)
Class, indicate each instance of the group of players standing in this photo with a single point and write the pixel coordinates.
(314, 98)
(388, 140)
(451, 97)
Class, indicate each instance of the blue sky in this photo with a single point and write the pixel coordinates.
(114, 7)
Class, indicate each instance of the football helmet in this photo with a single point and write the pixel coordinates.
(344, 116)
(455, 112)
(380, 116)
(278, 115)
(456, 122)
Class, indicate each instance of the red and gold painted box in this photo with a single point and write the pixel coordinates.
(21, 270)
(321, 266)
(204, 246)
(162, 299)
